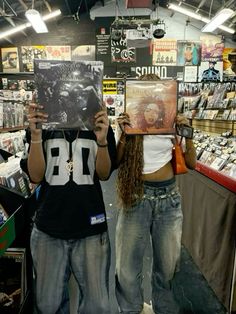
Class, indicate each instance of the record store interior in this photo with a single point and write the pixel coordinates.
(97, 99)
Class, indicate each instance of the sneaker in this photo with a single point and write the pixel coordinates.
(147, 309)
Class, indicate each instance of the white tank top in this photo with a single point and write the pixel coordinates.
(157, 152)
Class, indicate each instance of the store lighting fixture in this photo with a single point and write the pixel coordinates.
(197, 16)
(218, 20)
(26, 25)
(184, 11)
(36, 21)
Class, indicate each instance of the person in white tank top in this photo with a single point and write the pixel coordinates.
(150, 208)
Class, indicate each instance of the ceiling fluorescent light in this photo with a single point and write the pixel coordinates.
(227, 29)
(184, 11)
(218, 20)
(34, 17)
(14, 30)
(51, 15)
(196, 16)
(224, 28)
(24, 26)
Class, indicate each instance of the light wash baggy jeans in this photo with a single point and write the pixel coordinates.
(158, 216)
(55, 259)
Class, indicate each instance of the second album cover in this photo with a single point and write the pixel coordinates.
(70, 91)
(152, 106)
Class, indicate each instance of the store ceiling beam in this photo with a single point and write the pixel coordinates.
(9, 40)
(47, 5)
(10, 20)
(7, 18)
(23, 4)
(200, 5)
(5, 2)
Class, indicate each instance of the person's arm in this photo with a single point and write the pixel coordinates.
(36, 162)
(190, 154)
(103, 161)
(190, 151)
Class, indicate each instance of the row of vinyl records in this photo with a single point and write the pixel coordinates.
(206, 114)
(13, 280)
(217, 152)
(13, 177)
(12, 114)
(16, 84)
(204, 100)
(12, 142)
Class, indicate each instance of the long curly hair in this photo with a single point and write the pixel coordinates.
(129, 178)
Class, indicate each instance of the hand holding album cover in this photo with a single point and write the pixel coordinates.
(70, 91)
(151, 106)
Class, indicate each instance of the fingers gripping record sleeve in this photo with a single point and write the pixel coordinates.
(70, 91)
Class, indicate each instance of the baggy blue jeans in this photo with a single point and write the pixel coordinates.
(157, 216)
(54, 260)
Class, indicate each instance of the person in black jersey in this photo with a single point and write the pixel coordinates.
(70, 227)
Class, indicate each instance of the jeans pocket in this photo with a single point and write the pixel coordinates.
(170, 203)
(175, 199)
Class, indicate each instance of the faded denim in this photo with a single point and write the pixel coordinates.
(55, 259)
(157, 217)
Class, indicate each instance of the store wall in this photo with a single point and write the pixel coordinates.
(66, 31)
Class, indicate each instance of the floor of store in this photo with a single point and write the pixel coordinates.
(190, 287)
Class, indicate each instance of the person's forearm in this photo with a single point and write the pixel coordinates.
(36, 161)
(103, 162)
(190, 154)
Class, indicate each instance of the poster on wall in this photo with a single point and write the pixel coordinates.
(113, 97)
(103, 41)
(212, 48)
(120, 52)
(229, 64)
(151, 106)
(164, 52)
(164, 72)
(210, 71)
(29, 53)
(190, 73)
(83, 52)
(58, 52)
(71, 92)
(188, 52)
(10, 60)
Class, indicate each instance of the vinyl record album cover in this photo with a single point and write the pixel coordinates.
(70, 91)
(10, 60)
(152, 106)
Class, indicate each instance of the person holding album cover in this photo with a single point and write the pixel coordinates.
(69, 233)
(150, 208)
